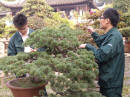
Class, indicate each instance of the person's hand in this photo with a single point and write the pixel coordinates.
(82, 46)
(33, 50)
(90, 29)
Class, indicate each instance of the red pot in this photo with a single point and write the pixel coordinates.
(127, 47)
(24, 92)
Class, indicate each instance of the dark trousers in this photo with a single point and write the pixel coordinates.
(111, 92)
(45, 92)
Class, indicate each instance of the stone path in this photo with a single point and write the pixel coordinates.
(126, 91)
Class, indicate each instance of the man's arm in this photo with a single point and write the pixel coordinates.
(105, 52)
(96, 37)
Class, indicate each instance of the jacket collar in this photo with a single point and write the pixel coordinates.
(111, 30)
(19, 38)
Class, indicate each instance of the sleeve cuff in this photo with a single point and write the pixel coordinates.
(93, 34)
(89, 47)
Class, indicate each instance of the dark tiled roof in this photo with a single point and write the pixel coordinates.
(62, 2)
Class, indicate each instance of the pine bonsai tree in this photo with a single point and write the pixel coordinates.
(124, 25)
(70, 71)
(37, 8)
(93, 21)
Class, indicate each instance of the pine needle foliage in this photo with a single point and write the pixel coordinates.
(70, 71)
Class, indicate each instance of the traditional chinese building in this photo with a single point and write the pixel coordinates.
(58, 5)
(68, 5)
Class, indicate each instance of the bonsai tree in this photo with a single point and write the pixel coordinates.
(125, 31)
(36, 11)
(40, 14)
(124, 25)
(70, 71)
(93, 21)
(6, 30)
(38, 8)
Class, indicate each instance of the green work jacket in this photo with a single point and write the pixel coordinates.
(110, 58)
(16, 44)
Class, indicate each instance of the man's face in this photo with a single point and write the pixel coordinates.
(103, 22)
(23, 30)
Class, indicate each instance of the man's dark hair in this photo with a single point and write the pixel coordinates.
(113, 15)
(20, 20)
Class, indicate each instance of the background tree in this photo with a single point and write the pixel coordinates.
(122, 5)
(124, 25)
(7, 28)
(36, 11)
(38, 8)
(40, 14)
(92, 20)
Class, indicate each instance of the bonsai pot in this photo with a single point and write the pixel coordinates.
(127, 46)
(24, 92)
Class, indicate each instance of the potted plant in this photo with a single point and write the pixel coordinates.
(25, 86)
(124, 28)
(126, 33)
(70, 71)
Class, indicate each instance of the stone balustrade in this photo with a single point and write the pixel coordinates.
(3, 46)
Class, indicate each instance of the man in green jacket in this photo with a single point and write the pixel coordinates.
(109, 54)
(16, 42)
